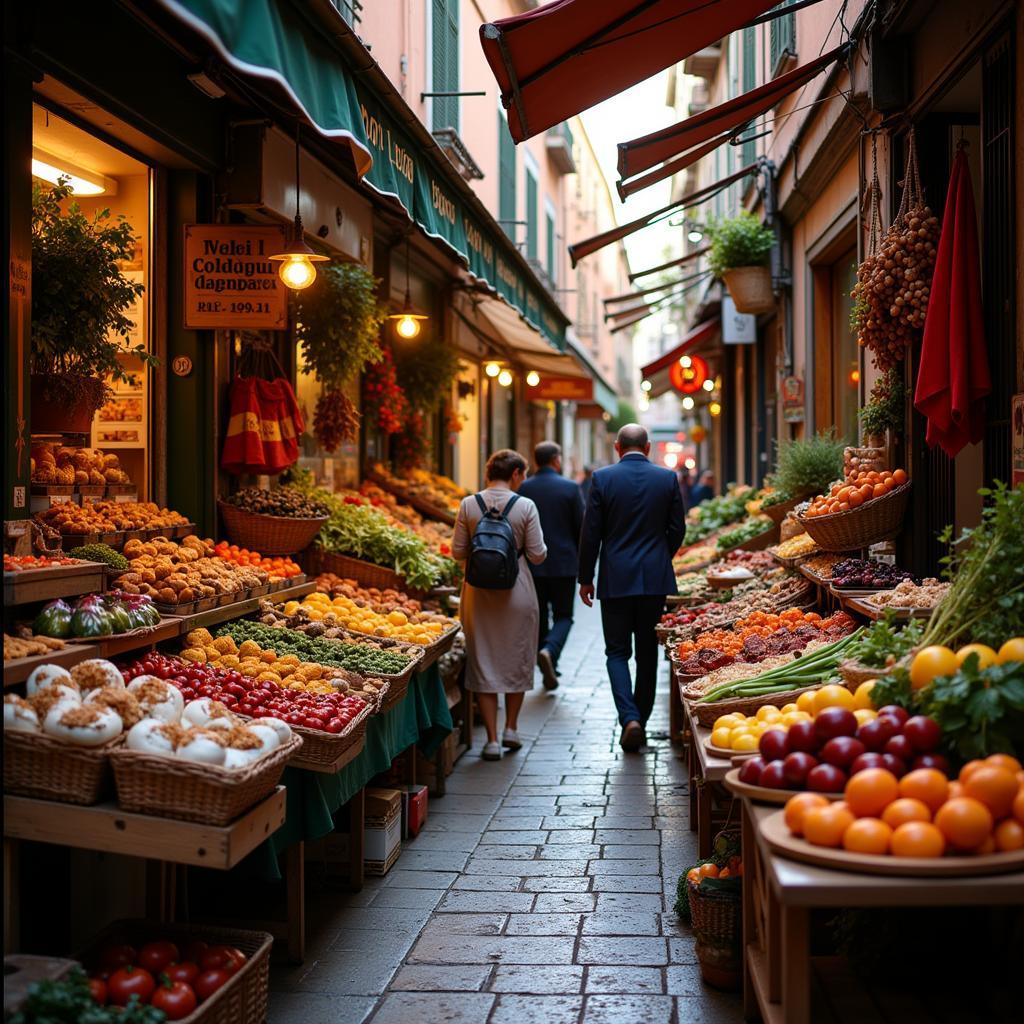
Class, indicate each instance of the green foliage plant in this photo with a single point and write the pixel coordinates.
(426, 367)
(740, 241)
(886, 408)
(80, 297)
(809, 465)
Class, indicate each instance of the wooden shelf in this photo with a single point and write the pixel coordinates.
(111, 646)
(107, 828)
(227, 612)
(18, 669)
(48, 584)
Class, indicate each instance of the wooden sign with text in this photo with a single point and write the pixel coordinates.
(563, 389)
(229, 279)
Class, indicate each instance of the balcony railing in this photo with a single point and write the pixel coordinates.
(559, 144)
(455, 149)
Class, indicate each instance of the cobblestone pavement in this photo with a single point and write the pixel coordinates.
(540, 891)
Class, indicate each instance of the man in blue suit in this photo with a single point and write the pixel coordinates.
(635, 521)
(560, 505)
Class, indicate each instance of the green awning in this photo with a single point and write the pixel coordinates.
(272, 41)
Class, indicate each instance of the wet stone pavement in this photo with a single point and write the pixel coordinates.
(540, 891)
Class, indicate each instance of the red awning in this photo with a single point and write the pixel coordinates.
(657, 371)
(710, 129)
(566, 56)
(590, 245)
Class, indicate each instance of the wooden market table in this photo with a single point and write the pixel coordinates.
(778, 897)
(709, 801)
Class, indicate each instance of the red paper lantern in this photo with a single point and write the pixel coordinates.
(688, 379)
(698, 434)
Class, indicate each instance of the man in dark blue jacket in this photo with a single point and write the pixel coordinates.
(635, 521)
(560, 506)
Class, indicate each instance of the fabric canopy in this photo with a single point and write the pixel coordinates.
(564, 57)
(718, 124)
(688, 258)
(953, 379)
(664, 287)
(271, 41)
(591, 245)
(657, 371)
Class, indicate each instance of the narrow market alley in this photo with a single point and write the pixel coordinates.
(539, 892)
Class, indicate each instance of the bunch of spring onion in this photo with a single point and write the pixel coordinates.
(804, 670)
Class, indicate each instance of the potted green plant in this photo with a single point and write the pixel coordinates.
(809, 465)
(886, 408)
(740, 252)
(79, 300)
(338, 326)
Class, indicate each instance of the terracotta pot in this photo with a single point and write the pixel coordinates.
(53, 415)
(751, 289)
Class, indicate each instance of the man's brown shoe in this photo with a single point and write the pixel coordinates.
(632, 738)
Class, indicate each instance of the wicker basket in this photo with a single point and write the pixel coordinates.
(875, 520)
(269, 535)
(50, 769)
(716, 918)
(854, 673)
(396, 691)
(776, 513)
(441, 646)
(707, 714)
(172, 788)
(367, 574)
(241, 1000)
(330, 752)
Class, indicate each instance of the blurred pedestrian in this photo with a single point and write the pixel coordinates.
(635, 522)
(496, 531)
(588, 476)
(560, 505)
(705, 488)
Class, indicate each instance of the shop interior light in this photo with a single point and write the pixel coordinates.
(715, 408)
(533, 378)
(855, 376)
(687, 403)
(505, 378)
(646, 385)
(81, 181)
(645, 403)
(407, 322)
(671, 460)
(685, 362)
(492, 369)
(690, 463)
(297, 270)
(708, 385)
(695, 234)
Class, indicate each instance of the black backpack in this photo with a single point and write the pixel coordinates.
(493, 557)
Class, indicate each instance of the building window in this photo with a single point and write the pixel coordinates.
(445, 77)
(748, 151)
(506, 178)
(531, 213)
(550, 261)
(781, 38)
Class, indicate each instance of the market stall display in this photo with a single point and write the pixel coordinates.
(277, 567)
(97, 615)
(88, 471)
(797, 547)
(430, 493)
(711, 515)
(867, 507)
(756, 529)
(866, 574)
(908, 596)
(281, 521)
(96, 520)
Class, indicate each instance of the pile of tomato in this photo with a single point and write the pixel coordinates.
(855, 490)
(160, 974)
(282, 567)
(22, 563)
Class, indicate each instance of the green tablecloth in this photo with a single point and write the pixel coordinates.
(422, 717)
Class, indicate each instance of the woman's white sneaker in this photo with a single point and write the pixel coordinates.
(491, 751)
(510, 738)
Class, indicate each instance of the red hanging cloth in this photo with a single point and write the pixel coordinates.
(953, 378)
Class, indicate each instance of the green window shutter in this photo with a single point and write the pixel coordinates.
(781, 37)
(531, 215)
(749, 149)
(506, 177)
(549, 235)
(445, 62)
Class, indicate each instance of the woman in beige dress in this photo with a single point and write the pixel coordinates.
(501, 625)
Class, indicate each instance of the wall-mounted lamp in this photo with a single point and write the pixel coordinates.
(715, 408)
(532, 379)
(646, 385)
(708, 385)
(687, 403)
(505, 378)
(492, 369)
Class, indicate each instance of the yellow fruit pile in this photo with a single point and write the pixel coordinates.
(743, 733)
(935, 661)
(423, 628)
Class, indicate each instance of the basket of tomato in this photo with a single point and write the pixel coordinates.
(197, 974)
(866, 508)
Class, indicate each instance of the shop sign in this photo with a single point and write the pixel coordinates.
(229, 280)
(737, 328)
(563, 389)
(793, 399)
(1017, 447)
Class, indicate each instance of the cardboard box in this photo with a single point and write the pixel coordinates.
(382, 843)
(382, 803)
(414, 810)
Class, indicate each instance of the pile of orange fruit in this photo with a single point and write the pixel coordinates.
(281, 568)
(763, 624)
(922, 814)
(855, 490)
(732, 869)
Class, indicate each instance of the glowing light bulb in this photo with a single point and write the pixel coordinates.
(715, 408)
(407, 327)
(671, 460)
(709, 385)
(685, 362)
(695, 235)
(646, 385)
(690, 463)
(297, 271)
(492, 369)
(855, 376)
(504, 378)
(533, 378)
(687, 403)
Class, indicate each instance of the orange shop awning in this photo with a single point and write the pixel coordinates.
(704, 132)
(657, 372)
(566, 56)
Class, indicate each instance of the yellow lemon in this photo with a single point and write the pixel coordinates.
(747, 742)
(1012, 650)
(792, 717)
(930, 663)
(986, 656)
(832, 696)
(729, 721)
(805, 702)
(862, 695)
(765, 711)
(721, 738)
(787, 708)
(770, 717)
(864, 715)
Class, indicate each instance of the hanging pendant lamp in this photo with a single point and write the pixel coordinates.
(407, 322)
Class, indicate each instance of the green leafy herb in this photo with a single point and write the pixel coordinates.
(884, 643)
(101, 553)
(713, 514)
(809, 466)
(69, 1001)
(741, 241)
(747, 530)
(886, 409)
